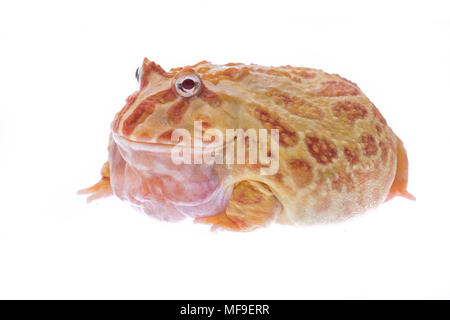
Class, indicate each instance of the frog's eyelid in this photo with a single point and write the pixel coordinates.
(188, 85)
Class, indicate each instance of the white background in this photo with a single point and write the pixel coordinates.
(65, 70)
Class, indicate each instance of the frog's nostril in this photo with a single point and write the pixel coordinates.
(188, 85)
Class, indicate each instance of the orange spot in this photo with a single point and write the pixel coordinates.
(379, 129)
(384, 152)
(143, 135)
(336, 89)
(166, 136)
(296, 105)
(351, 156)
(206, 124)
(203, 70)
(234, 74)
(278, 177)
(245, 193)
(370, 145)
(130, 100)
(271, 120)
(146, 108)
(177, 111)
(342, 179)
(279, 73)
(184, 71)
(302, 172)
(349, 109)
(141, 112)
(210, 97)
(303, 73)
(321, 149)
(147, 68)
(300, 71)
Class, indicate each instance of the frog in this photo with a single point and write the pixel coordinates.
(336, 155)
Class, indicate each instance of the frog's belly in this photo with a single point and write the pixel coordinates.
(153, 182)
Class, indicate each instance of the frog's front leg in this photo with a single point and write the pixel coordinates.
(102, 188)
(252, 205)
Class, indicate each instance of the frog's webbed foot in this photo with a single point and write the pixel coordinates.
(102, 188)
(252, 205)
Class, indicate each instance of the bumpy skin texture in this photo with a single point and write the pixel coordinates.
(338, 157)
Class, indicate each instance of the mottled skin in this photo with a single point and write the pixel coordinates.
(338, 157)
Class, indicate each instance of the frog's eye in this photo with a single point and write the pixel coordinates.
(138, 74)
(188, 85)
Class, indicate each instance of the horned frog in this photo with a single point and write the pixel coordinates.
(337, 156)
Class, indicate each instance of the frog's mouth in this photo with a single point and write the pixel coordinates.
(156, 146)
(160, 184)
(143, 145)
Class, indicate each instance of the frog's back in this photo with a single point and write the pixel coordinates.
(337, 154)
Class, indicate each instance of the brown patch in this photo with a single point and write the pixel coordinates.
(370, 145)
(210, 97)
(349, 109)
(234, 74)
(321, 149)
(342, 179)
(271, 120)
(351, 155)
(379, 129)
(177, 111)
(165, 136)
(296, 105)
(279, 73)
(245, 193)
(336, 89)
(146, 108)
(278, 177)
(206, 121)
(203, 69)
(304, 73)
(363, 176)
(232, 64)
(384, 152)
(206, 124)
(129, 102)
(142, 134)
(149, 67)
(185, 70)
(302, 172)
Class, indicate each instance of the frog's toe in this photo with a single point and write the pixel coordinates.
(99, 190)
(223, 221)
(252, 205)
(102, 188)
